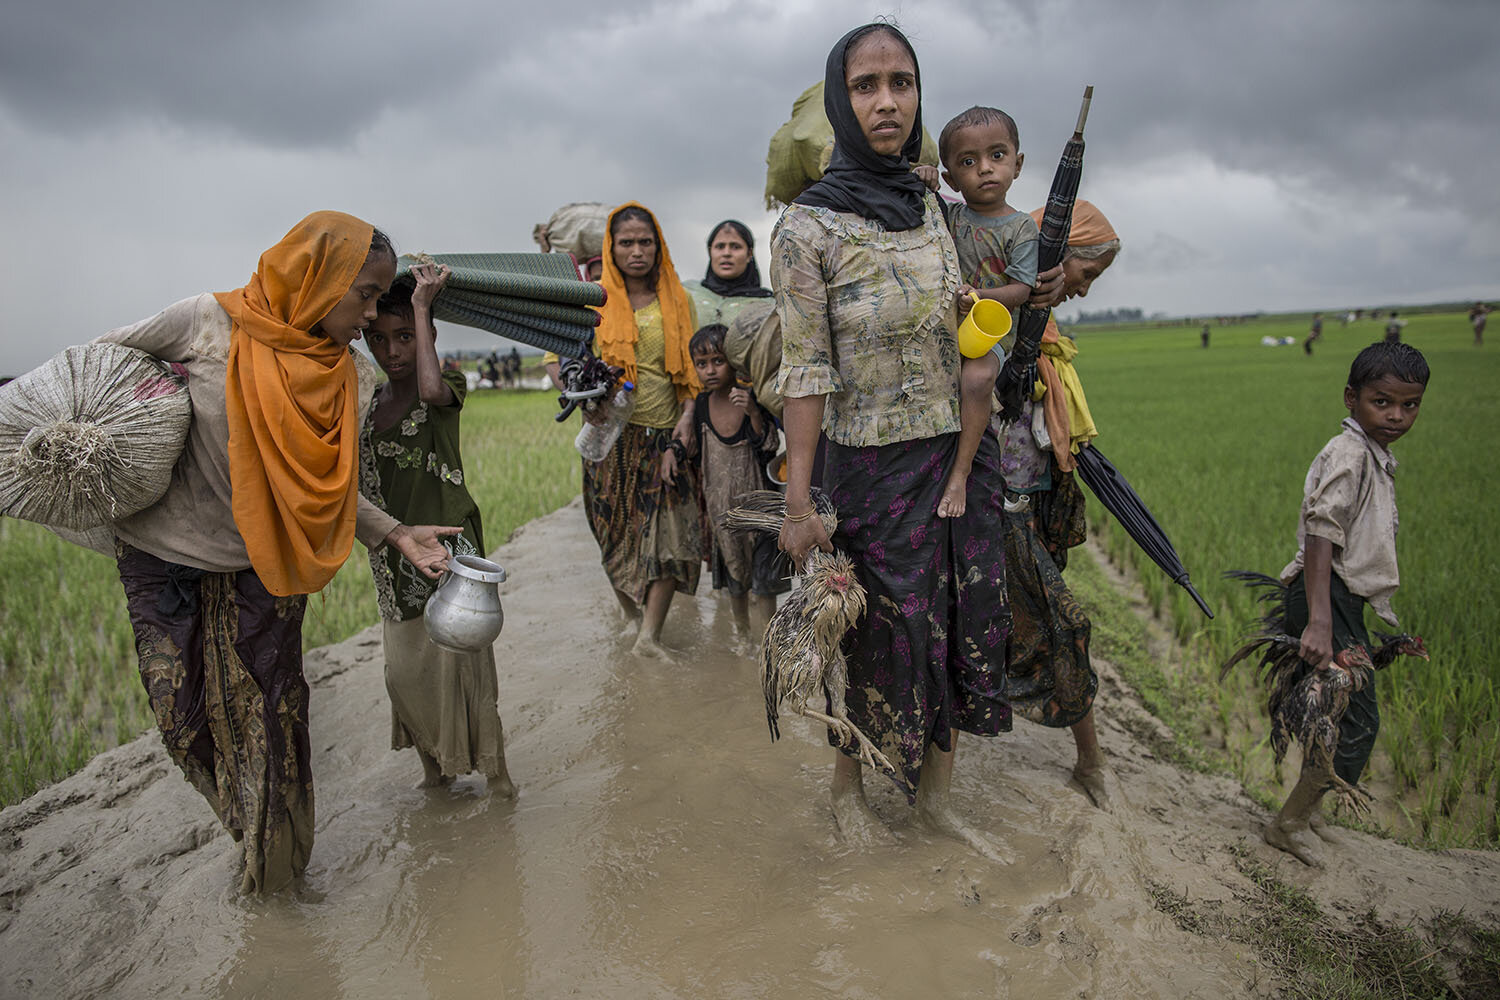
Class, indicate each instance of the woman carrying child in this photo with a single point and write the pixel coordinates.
(261, 511)
(442, 702)
(736, 438)
(642, 499)
(733, 278)
(865, 275)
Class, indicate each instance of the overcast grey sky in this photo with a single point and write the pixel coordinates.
(1275, 155)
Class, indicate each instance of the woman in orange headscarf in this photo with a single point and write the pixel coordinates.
(642, 499)
(262, 510)
(1049, 678)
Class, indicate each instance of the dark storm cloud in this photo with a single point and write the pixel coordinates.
(1280, 154)
(279, 72)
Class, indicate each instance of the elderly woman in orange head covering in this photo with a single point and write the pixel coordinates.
(262, 510)
(642, 499)
(1049, 678)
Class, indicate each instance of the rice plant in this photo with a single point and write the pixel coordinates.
(1218, 442)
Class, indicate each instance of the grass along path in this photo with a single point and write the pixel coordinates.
(69, 685)
(1218, 442)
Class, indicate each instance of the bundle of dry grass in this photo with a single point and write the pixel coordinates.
(91, 436)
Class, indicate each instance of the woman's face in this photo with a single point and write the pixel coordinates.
(634, 248)
(728, 254)
(882, 83)
(347, 320)
(1079, 274)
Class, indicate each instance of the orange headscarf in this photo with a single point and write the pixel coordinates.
(616, 335)
(1089, 228)
(293, 406)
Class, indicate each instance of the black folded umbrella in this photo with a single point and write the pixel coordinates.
(1120, 500)
(1019, 373)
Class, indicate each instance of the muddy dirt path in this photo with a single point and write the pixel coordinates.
(661, 846)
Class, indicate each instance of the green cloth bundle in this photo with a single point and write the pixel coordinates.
(535, 298)
(800, 149)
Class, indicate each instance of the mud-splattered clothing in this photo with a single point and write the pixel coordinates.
(443, 703)
(738, 561)
(414, 470)
(928, 655)
(867, 319)
(646, 529)
(221, 661)
(1349, 498)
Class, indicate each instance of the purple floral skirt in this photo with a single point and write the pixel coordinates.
(929, 655)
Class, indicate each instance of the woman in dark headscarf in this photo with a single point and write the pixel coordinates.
(732, 278)
(865, 276)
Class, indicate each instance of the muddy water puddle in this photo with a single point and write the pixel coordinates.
(661, 846)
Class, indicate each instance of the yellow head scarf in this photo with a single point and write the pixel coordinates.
(292, 402)
(616, 335)
(1066, 411)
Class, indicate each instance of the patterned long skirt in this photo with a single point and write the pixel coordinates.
(221, 660)
(928, 657)
(1048, 674)
(646, 529)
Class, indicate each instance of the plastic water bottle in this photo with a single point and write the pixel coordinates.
(595, 440)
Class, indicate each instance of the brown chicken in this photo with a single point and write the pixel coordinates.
(800, 659)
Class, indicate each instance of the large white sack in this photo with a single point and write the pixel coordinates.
(91, 436)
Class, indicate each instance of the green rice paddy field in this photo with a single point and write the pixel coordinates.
(1217, 441)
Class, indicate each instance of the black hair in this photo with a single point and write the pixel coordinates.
(1384, 358)
(397, 301)
(742, 230)
(637, 214)
(380, 243)
(976, 116)
(709, 338)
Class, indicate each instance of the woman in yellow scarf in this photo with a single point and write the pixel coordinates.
(642, 499)
(1049, 678)
(262, 510)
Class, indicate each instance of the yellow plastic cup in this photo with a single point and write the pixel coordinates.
(982, 329)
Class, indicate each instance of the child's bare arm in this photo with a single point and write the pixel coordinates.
(1317, 572)
(1012, 295)
(430, 279)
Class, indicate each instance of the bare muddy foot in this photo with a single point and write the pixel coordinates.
(858, 825)
(1294, 838)
(1319, 825)
(432, 775)
(501, 784)
(955, 494)
(1096, 781)
(942, 818)
(651, 649)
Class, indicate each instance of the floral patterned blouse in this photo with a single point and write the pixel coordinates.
(414, 470)
(867, 318)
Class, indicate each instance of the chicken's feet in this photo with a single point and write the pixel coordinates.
(869, 753)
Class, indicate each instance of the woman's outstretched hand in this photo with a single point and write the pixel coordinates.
(422, 545)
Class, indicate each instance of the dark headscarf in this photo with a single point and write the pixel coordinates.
(747, 285)
(859, 180)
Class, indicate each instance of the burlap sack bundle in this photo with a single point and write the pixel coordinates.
(91, 436)
(576, 228)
